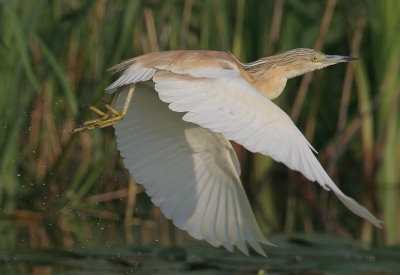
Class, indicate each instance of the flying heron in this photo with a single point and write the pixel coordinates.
(180, 108)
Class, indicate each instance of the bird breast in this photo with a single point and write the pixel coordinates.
(268, 80)
(272, 87)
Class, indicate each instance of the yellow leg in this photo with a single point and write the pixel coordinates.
(111, 117)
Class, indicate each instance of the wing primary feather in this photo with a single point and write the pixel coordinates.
(185, 209)
(153, 158)
(171, 202)
(221, 227)
(194, 223)
(164, 167)
(239, 238)
(155, 184)
(167, 189)
(209, 219)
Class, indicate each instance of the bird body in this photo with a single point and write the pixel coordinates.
(270, 84)
(185, 107)
(268, 75)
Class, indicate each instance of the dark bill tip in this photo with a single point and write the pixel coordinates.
(350, 58)
(339, 58)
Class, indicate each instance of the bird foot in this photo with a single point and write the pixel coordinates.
(109, 118)
(105, 120)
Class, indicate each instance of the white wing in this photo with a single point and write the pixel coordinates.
(222, 101)
(190, 172)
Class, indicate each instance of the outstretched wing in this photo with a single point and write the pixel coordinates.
(190, 172)
(222, 101)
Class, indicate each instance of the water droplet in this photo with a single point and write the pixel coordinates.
(370, 258)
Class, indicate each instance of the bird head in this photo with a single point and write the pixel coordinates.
(301, 61)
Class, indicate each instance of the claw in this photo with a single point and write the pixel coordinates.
(103, 115)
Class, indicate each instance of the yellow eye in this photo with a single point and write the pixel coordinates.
(313, 58)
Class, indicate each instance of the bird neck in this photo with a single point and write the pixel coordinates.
(269, 81)
(270, 74)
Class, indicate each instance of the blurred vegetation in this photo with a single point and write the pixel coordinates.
(54, 56)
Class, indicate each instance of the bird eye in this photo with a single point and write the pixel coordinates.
(313, 58)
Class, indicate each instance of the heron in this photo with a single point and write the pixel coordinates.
(178, 111)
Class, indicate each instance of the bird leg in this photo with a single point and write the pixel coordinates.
(111, 117)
